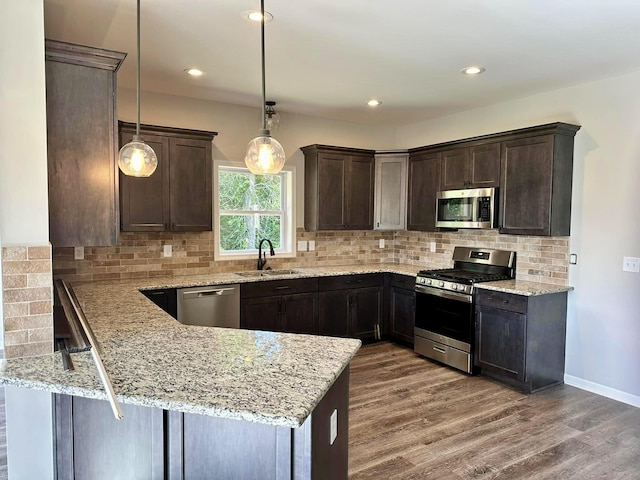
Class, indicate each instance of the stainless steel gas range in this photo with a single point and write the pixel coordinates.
(445, 313)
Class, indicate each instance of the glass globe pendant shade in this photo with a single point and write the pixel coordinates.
(137, 159)
(272, 119)
(264, 155)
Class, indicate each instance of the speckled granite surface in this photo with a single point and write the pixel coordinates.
(521, 287)
(152, 360)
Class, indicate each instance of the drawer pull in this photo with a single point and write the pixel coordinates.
(440, 350)
(282, 288)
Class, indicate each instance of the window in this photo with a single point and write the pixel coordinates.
(251, 207)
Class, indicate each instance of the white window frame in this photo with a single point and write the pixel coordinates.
(288, 244)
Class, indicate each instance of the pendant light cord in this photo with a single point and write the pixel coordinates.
(138, 73)
(264, 90)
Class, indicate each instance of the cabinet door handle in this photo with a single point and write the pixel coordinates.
(166, 226)
(173, 226)
(282, 288)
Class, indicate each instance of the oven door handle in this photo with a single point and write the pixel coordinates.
(460, 297)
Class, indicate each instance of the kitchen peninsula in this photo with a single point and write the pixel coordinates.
(244, 404)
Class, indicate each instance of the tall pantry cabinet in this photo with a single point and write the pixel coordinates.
(82, 144)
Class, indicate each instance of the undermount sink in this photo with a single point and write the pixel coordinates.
(252, 273)
(281, 272)
(266, 273)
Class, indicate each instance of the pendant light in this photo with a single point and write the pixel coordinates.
(264, 153)
(136, 158)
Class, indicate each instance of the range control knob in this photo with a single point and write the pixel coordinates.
(427, 281)
(441, 284)
(454, 287)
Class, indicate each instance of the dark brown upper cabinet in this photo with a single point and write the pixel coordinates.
(339, 184)
(536, 182)
(471, 167)
(424, 183)
(532, 167)
(81, 144)
(178, 195)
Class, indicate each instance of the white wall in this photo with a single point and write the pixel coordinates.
(24, 215)
(24, 206)
(237, 125)
(604, 312)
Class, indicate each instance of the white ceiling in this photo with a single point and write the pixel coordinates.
(328, 57)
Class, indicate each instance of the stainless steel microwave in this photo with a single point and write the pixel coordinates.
(470, 208)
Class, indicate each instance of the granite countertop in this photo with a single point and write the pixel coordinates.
(523, 287)
(153, 360)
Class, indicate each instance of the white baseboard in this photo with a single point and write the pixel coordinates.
(603, 390)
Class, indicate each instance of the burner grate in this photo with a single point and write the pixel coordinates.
(463, 276)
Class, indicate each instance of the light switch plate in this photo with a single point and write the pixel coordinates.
(167, 251)
(631, 264)
(381, 243)
(432, 247)
(302, 245)
(573, 259)
(334, 427)
(78, 253)
(312, 245)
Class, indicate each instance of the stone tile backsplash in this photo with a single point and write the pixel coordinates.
(27, 295)
(139, 255)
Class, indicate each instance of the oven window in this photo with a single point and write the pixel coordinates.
(444, 316)
(455, 209)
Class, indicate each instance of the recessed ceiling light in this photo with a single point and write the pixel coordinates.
(374, 103)
(256, 16)
(194, 72)
(472, 70)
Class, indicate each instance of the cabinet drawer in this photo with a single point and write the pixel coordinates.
(269, 288)
(502, 301)
(407, 282)
(351, 281)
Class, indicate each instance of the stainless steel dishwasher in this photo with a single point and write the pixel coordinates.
(213, 306)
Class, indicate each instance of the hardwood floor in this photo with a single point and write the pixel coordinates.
(414, 419)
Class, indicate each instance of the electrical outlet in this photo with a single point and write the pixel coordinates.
(167, 251)
(432, 247)
(78, 253)
(312, 245)
(302, 245)
(381, 243)
(333, 427)
(631, 264)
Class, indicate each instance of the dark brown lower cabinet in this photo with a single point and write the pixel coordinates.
(262, 313)
(300, 313)
(351, 306)
(334, 310)
(297, 313)
(151, 443)
(280, 306)
(520, 340)
(165, 298)
(402, 307)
